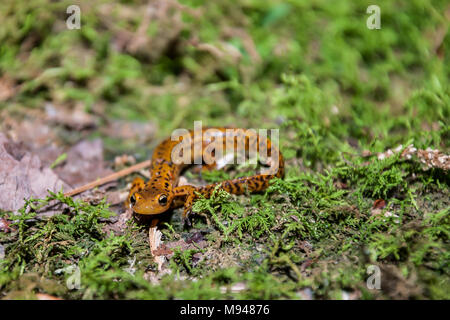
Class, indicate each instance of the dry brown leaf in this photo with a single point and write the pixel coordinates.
(35, 136)
(84, 163)
(377, 207)
(379, 204)
(22, 175)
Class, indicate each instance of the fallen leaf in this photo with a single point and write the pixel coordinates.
(23, 176)
(379, 204)
(195, 238)
(119, 223)
(162, 251)
(34, 136)
(84, 164)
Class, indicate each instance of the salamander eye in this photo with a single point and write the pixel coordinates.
(162, 200)
(133, 199)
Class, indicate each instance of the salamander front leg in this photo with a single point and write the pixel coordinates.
(188, 192)
(187, 210)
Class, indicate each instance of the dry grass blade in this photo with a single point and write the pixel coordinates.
(111, 177)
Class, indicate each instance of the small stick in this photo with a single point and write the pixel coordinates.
(109, 178)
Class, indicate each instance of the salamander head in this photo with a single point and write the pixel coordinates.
(150, 202)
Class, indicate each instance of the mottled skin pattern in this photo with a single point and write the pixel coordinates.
(161, 192)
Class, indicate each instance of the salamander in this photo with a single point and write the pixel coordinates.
(161, 192)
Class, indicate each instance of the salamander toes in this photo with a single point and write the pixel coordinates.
(187, 222)
(187, 217)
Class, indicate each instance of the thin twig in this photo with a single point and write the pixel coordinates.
(109, 178)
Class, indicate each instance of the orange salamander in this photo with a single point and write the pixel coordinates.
(161, 192)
